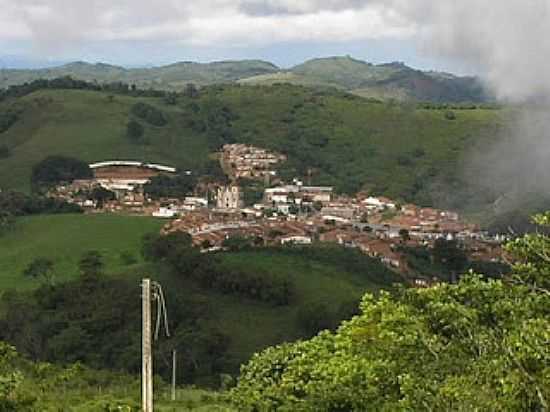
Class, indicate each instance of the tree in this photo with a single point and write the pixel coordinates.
(170, 98)
(236, 243)
(134, 131)
(57, 169)
(4, 151)
(41, 267)
(450, 115)
(12, 398)
(190, 91)
(158, 247)
(317, 205)
(7, 222)
(102, 195)
(149, 113)
(91, 264)
(177, 186)
(480, 344)
(448, 254)
(404, 235)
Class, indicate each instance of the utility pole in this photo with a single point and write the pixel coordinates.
(174, 375)
(147, 358)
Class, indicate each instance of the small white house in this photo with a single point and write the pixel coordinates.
(296, 240)
(165, 213)
(376, 203)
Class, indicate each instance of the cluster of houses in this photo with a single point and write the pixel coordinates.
(122, 180)
(300, 214)
(288, 213)
(243, 161)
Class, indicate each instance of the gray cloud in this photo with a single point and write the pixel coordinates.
(278, 7)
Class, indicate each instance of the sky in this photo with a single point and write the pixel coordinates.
(143, 32)
(506, 42)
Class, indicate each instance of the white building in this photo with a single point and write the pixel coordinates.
(229, 197)
(378, 203)
(296, 240)
(165, 213)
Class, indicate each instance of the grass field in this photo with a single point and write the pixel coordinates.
(250, 324)
(349, 142)
(254, 325)
(64, 238)
(84, 124)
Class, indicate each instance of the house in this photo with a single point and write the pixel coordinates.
(375, 203)
(342, 211)
(289, 193)
(191, 203)
(165, 213)
(296, 240)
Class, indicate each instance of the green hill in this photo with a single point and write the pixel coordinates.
(394, 80)
(403, 151)
(64, 238)
(173, 76)
(323, 291)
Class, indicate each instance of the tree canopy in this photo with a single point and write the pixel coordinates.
(56, 169)
(475, 345)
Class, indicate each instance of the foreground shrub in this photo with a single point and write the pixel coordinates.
(476, 345)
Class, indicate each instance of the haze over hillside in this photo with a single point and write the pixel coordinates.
(392, 80)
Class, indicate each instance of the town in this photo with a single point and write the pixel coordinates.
(214, 215)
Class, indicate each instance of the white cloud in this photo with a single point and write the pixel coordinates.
(53, 24)
(509, 39)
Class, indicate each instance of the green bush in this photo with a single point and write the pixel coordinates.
(4, 151)
(134, 131)
(475, 345)
(7, 120)
(149, 113)
(58, 169)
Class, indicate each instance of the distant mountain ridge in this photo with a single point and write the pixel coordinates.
(391, 80)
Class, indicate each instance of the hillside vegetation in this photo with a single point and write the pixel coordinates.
(387, 81)
(473, 345)
(172, 76)
(407, 152)
(221, 307)
(64, 238)
(36, 386)
(393, 80)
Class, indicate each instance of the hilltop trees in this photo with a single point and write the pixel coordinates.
(56, 169)
(170, 186)
(476, 345)
(20, 204)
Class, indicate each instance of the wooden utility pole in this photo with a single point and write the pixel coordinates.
(174, 375)
(147, 358)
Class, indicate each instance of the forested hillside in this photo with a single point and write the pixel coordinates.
(69, 291)
(410, 152)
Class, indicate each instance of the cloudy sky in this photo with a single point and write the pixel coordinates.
(499, 39)
(135, 32)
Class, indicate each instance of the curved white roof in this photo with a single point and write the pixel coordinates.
(132, 163)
